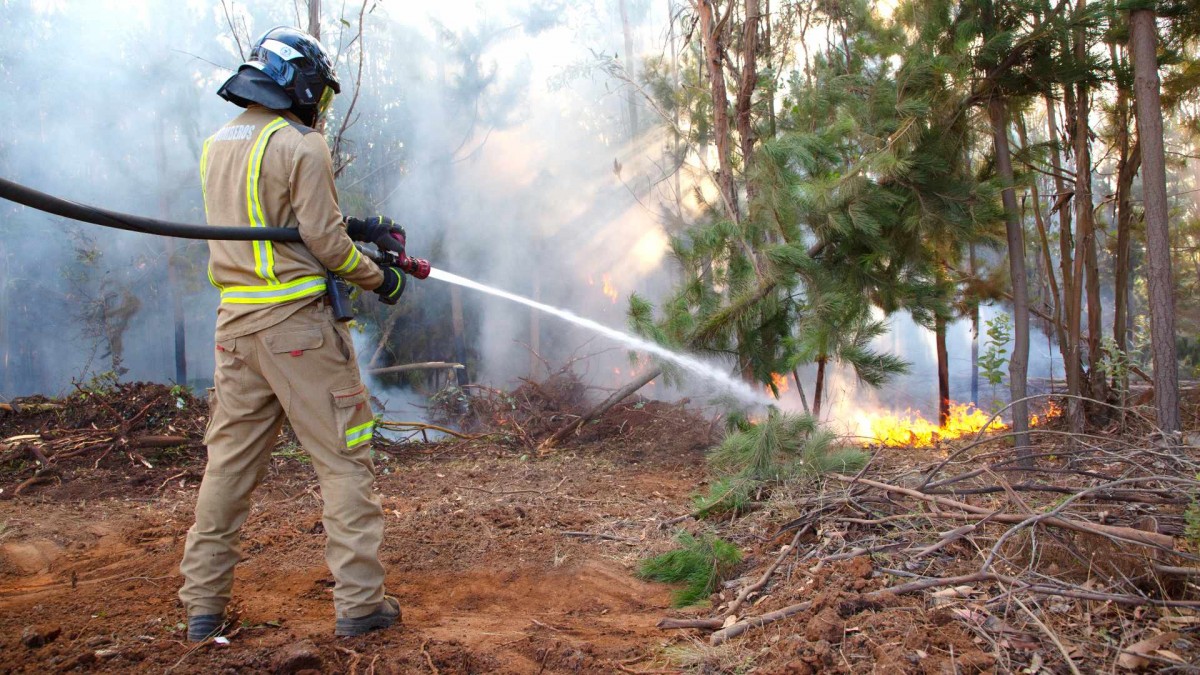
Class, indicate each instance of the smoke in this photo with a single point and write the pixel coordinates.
(494, 131)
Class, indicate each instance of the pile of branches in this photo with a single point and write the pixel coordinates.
(40, 436)
(526, 414)
(1024, 547)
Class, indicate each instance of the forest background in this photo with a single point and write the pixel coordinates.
(803, 192)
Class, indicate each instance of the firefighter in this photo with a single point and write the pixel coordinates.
(279, 352)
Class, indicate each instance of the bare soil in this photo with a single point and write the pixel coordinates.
(504, 560)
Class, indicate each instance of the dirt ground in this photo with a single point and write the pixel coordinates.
(504, 560)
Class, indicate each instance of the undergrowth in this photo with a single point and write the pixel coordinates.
(701, 563)
(781, 447)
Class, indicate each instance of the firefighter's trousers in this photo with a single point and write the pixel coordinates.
(303, 368)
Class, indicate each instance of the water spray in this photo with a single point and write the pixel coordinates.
(744, 392)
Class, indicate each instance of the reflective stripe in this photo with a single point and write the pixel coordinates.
(204, 175)
(211, 279)
(270, 294)
(264, 255)
(351, 262)
(360, 434)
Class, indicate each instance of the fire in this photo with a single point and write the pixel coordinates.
(780, 382)
(1053, 410)
(912, 430)
(609, 290)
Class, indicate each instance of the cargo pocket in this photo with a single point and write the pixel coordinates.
(212, 412)
(354, 418)
(294, 343)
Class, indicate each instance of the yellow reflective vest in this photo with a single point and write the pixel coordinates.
(265, 169)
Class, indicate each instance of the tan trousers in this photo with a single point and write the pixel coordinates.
(303, 368)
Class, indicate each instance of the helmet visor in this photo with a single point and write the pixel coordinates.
(325, 102)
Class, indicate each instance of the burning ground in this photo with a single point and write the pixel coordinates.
(510, 560)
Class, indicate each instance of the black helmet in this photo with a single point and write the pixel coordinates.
(288, 70)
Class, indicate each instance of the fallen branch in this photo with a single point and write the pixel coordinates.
(620, 395)
(158, 441)
(596, 535)
(428, 365)
(1125, 534)
(419, 426)
(742, 626)
(762, 581)
(673, 624)
(30, 407)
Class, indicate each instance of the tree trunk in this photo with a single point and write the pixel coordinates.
(459, 326)
(1047, 258)
(7, 386)
(943, 371)
(535, 326)
(314, 18)
(1069, 346)
(174, 287)
(711, 38)
(1127, 168)
(800, 391)
(1142, 44)
(747, 83)
(1128, 162)
(975, 321)
(630, 70)
(819, 388)
(1018, 363)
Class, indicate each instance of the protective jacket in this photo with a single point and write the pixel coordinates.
(265, 169)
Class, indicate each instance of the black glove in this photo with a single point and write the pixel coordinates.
(392, 288)
(379, 230)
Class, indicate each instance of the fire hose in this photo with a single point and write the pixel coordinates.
(391, 253)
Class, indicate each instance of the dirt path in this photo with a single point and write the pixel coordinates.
(476, 551)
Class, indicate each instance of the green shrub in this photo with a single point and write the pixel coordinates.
(701, 563)
(727, 495)
(781, 447)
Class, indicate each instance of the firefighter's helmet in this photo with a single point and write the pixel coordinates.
(287, 70)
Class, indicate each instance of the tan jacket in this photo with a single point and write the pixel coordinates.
(267, 170)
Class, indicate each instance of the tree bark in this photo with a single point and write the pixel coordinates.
(314, 18)
(1047, 258)
(630, 70)
(1128, 162)
(943, 371)
(1127, 167)
(174, 287)
(713, 48)
(1142, 44)
(1018, 363)
(819, 388)
(747, 82)
(975, 321)
(1069, 346)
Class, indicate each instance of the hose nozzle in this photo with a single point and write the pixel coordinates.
(415, 267)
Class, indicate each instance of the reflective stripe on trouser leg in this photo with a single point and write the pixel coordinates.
(327, 399)
(244, 425)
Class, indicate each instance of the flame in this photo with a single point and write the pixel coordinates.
(1053, 410)
(780, 382)
(609, 290)
(910, 429)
